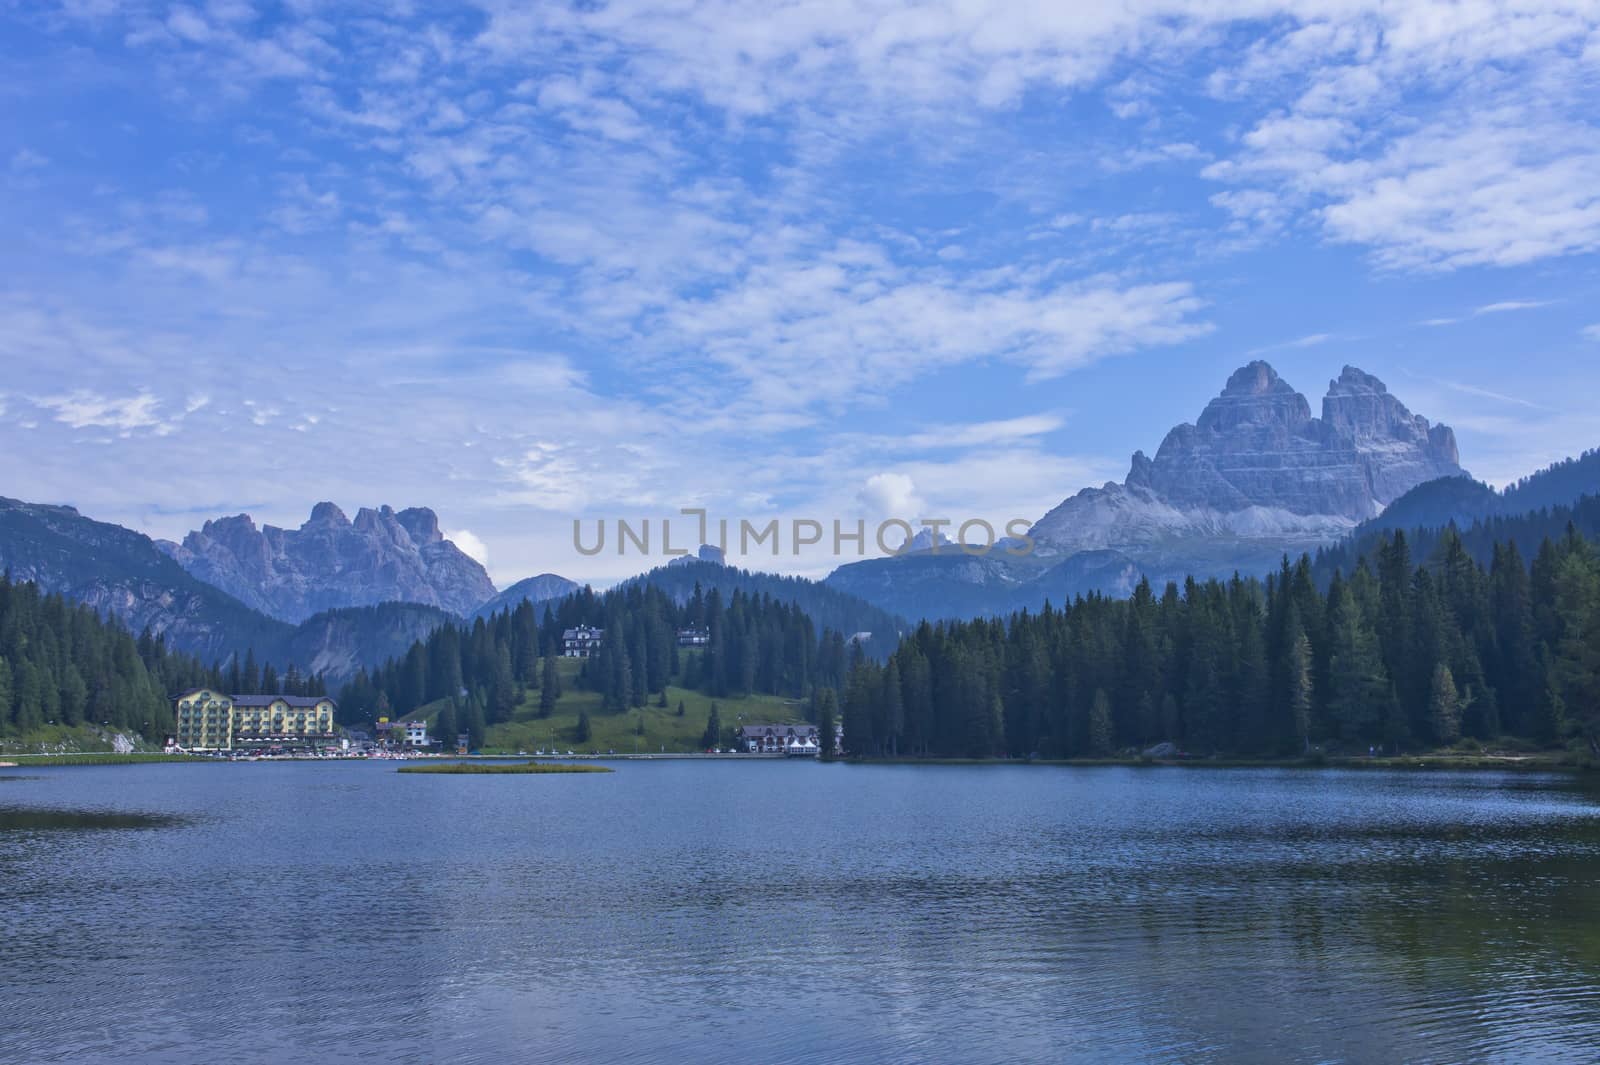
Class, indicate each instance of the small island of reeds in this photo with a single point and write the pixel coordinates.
(503, 767)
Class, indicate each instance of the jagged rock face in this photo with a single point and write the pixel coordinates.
(1256, 465)
(330, 561)
(1398, 450)
(1255, 477)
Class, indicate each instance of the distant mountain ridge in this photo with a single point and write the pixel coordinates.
(1253, 477)
(1536, 507)
(1463, 500)
(330, 561)
(544, 588)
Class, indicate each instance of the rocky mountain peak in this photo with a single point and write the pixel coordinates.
(325, 514)
(1255, 378)
(422, 524)
(1139, 471)
(330, 561)
(1255, 397)
(1255, 464)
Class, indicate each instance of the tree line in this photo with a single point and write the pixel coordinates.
(62, 664)
(1393, 654)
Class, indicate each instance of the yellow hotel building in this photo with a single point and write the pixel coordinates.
(209, 720)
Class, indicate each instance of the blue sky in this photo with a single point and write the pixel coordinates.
(523, 263)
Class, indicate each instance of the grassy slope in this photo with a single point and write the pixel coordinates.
(662, 728)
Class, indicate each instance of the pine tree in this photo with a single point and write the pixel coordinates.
(894, 711)
(1357, 686)
(549, 687)
(1577, 650)
(5, 695)
(445, 728)
(584, 730)
(712, 737)
(1299, 694)
(1171, 718)
(1100, 726)
(1444, 707)
(827, 719)
(476, 727)
(503, 687)
(29, 712)
(861, 697)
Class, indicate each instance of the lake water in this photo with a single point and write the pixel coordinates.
(775, 912)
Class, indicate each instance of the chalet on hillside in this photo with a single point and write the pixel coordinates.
(580, 642)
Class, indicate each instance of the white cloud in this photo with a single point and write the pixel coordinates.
(607, 256)
(1491, 193)
(849, 324)
(1502, 307)
(1592, 331)
(891, 495)
(85, 409)
(580, 105)
(188, 25)
(470, 545)
(987, 434)
(1506, 306)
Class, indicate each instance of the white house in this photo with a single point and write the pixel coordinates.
(580, 642)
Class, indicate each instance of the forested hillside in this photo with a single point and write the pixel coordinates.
(1526, 530)
(61, 664)
(757, 645)
(1463, 501)
(1393, 654)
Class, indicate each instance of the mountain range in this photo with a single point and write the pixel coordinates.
(125, 575)
(315, 596)
(1255, 476)
(330, 561)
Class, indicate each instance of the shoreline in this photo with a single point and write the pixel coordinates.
(1527, 762)
(1564, 762)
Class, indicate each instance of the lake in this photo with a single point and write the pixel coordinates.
(780, 911)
